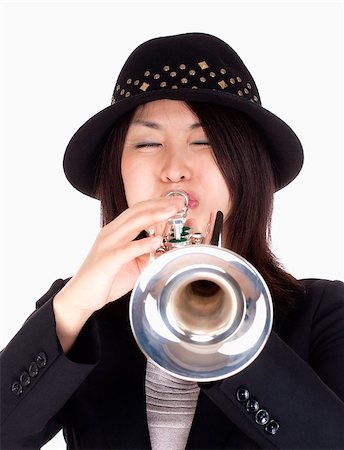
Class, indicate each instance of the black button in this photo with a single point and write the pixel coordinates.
(272, 427)
(242, 394)
(41, 360)
(24, 379)
(262, 417)
(17, 388)
(252, 405)
(33, 369)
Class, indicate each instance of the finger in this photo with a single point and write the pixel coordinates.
(158, 229)
(136, 249)
(132, 221)
(170, 204)
(155, 208)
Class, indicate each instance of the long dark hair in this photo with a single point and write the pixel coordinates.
(242, 156)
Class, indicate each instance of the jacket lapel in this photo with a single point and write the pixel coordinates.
(123, 369)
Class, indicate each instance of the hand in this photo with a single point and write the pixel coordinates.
(112, 266)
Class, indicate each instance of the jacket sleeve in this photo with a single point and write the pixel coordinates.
(37, 378)
(282, 401)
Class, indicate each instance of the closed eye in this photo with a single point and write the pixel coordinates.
(147, 145)
(200, 143)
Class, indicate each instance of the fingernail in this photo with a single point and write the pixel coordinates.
(151, 232)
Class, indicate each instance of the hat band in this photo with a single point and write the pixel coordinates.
(197, 76)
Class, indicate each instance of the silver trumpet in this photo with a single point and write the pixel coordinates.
(200, 312)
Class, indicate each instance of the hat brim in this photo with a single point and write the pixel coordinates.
(82, 153)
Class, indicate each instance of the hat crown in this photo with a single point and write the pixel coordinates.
(185, 61)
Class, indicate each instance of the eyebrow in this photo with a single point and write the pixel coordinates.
(157, 126)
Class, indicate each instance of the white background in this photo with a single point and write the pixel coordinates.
(60, 61)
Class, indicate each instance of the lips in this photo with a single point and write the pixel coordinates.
(193, 202)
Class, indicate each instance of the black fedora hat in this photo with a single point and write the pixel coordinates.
(194, 67)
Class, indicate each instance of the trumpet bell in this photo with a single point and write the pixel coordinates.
(201, 313)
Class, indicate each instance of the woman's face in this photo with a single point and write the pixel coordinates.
(166, 149)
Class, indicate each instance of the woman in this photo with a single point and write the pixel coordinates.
(185, 115)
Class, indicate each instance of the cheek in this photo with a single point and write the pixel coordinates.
(218, 187)
(225, 198)
(136, 180)
(126, 170)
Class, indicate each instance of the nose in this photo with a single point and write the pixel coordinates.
(176, 167)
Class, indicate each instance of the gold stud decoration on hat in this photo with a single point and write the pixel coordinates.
(223, 84)
(203, 65)
(210, 76)
(144, 86)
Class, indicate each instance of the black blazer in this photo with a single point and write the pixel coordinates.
(97, 393)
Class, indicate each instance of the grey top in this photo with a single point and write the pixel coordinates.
(171, 405)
